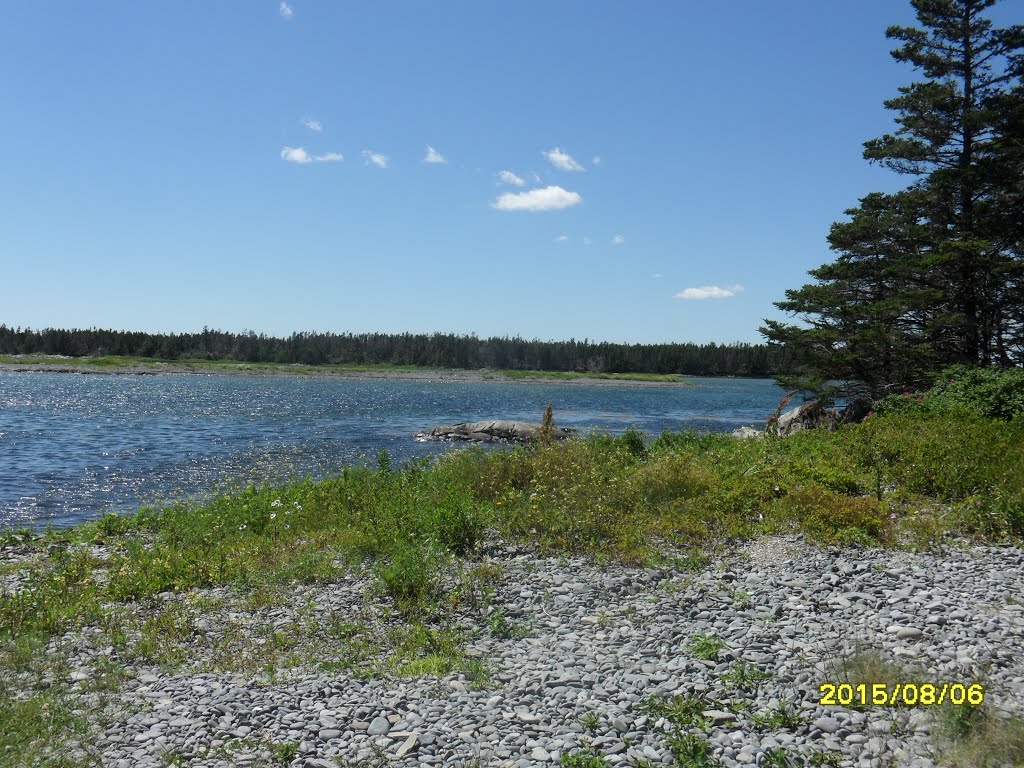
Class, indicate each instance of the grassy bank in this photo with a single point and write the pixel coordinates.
(415, 533)
(663, 378)
(123, 364)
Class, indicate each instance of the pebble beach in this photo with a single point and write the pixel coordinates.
(576, 662)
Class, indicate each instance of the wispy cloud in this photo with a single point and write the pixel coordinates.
(618, 240)
(657, 276)
(596, 160)
(510, 178)
(375, 158)
(300, 156)
(709, 292)
(563, 161)
(547, 199)
(286, 11)
(313, 125)
(561, 238)
(296, 155)
(587, 241)
(433, 156)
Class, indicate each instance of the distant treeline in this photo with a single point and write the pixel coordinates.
(436, 350)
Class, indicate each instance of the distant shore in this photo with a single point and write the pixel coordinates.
(138, 366)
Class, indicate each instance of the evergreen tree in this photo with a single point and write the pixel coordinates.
(931, 275)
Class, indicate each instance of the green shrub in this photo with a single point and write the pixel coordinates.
(411, 577)
(992, 393)
(456, 521)
(588, 757)
(838, 520)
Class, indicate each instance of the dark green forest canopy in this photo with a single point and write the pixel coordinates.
(932, 275)
(432, 350)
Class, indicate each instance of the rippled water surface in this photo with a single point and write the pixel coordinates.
(74, 446)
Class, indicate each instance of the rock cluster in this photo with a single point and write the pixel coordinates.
(595, 645)
(492, 431)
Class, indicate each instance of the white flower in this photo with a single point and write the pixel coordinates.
(275, 503)
(273, 515)
(296, 505)
(242, 527)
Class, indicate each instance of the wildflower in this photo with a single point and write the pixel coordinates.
(273, 515)
(275, 503)
(242, 527)
(296, 505)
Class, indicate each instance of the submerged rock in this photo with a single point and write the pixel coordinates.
(492, 431)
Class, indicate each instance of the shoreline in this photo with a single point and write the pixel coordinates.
(586, 604)
(449, 375)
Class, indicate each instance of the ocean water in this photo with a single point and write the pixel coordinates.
(74, 446)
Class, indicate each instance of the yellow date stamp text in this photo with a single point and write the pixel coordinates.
(900, 694)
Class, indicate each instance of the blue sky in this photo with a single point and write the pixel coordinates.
(621, 171)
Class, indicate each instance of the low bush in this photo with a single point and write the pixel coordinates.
(992, 393)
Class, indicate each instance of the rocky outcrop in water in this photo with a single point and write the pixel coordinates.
(815, 414)
(491, 431)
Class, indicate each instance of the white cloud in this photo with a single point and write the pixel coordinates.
(657, 276)
(510, 178)
(285, 10)
(562, 160)
(313, 125)
(596, 160)
(296, 155)
(375, 158)
(618, 240)
(302, 157)
(433, 156)
(546, 199)
(561, 238)
(709, 292)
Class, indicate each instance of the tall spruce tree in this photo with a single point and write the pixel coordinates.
(934, 274)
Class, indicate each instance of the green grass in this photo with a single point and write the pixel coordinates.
(680, 711)
(705, 647)
(114, 362)
(667, 378)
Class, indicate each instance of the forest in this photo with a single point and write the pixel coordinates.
(438, 350)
